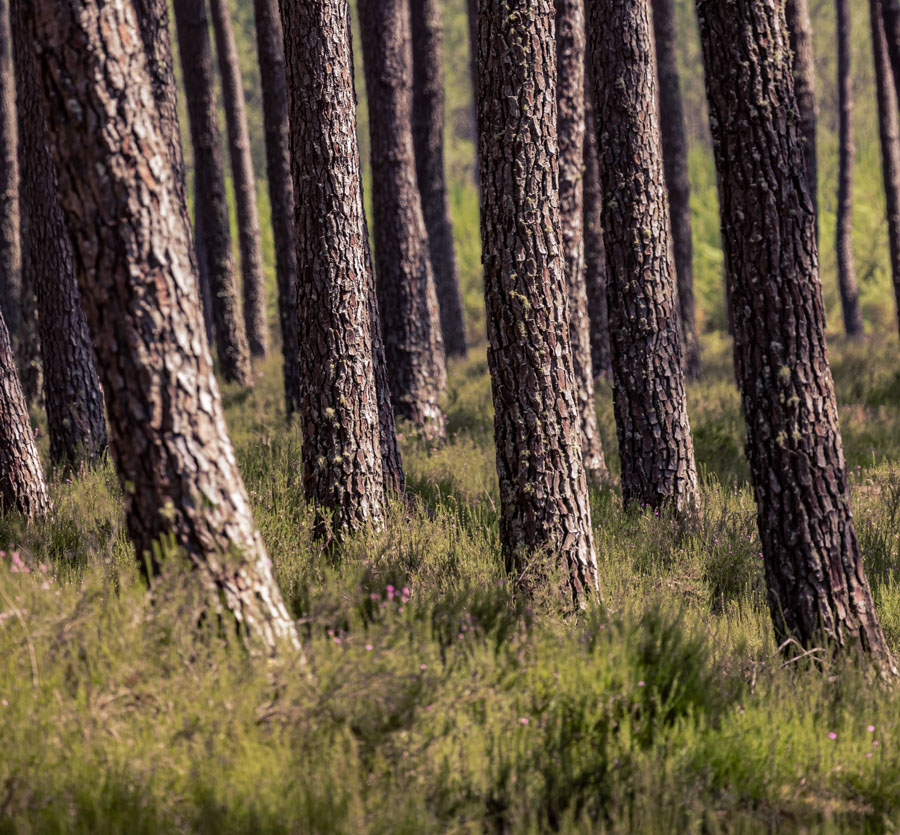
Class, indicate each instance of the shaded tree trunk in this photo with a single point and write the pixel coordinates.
(804, 77)
(570, 44)
(846, 272)
(10, 251)
(889, 133)
(890, 10)
(243, 178)
(168, 435)
(675, 166)
(817, 587)
(428, 142)
(28, 349)
(73, 401)
(22, 485)
(405, 283)
(270, 45)
(655, 445)
(472, 20)
(544, 508)
(342, 463)
(211, 206)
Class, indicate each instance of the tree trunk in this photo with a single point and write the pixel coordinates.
(594, 251)
(570, 44)
(846, 272)
(73, 401)
(428, 142)
(890, 10)
(213, 230)
(889, 133)
(168, 435)
(10, 251)
(405, 282)
(817, 588)
(243, 179)
(675, 166)
(804, 77)
(543, 491)
(28, 350)
(655, 445)
(270, 45)
(472, 20)
(22, 485)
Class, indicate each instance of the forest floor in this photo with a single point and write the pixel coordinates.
(432, 699)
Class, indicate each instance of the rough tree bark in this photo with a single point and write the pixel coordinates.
(675, 166)
(543, 491)
(846, 272)
(570, 45)
(889, 134)
(270, 45)
(73, 401)
(655, 445)
(168, 435)
(244, 180)
(428, 143)
(405, 282)
(817, 588)
(890, 11)
(213, 230)
(10, 250)
(804, 73)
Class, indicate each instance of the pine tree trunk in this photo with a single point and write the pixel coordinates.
(570, 45)
(405, 282)
(804, 73)
(543, 491)
(817, 588)
(168, 435)
(846, 272)
(10, 251)
(472, 20)
(270, 45)
(28, 350)
(890, 10)
(73, 401)
(203, 281)
(211, 207)
(655, 444)
(594, 250)
(22, 485)
(243, 178)
(675, 166)
(338, 405)
(889, 133)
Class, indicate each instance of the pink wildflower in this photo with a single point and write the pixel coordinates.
(832, 735)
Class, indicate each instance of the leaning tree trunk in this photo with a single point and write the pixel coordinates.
(213, 230)
(428, 142)
(675, 166)
(890, 10)
(655, 445)
(168, 435)
(10, 251)
(270, 45)
(570, 43)
(243, 179)
(817, 587)
(73, 401)
(846, 272)
(338, 405)
(544, 508)
(804, 73)
(594, 250)
(411, 327)
(889, 133)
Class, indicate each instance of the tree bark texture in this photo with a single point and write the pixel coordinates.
(675, 165)
(544, 504)
(213, 230)
(428, 143)
(846, 272)
(472, 20)
(342, 463)
(570, 46)
(28, 349)
(254, 282)
(655, 444)
(889, 132)
(270, 45)
(73, 401)
(804, 72)
(10, 250)
(890, 10)
(168, 435)
(406, 295)
(817, 587)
